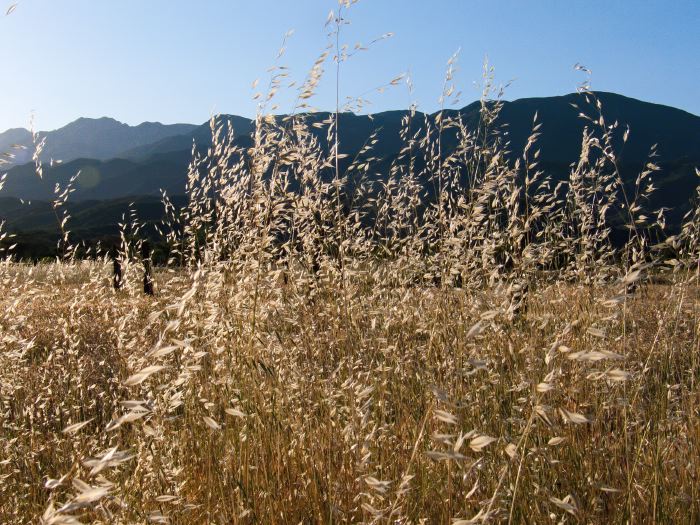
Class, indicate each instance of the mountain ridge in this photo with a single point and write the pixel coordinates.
(201, 136)
(99, 138)
(146, 169)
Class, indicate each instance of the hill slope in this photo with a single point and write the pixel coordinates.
(103, 138)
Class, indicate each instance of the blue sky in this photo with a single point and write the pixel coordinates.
(179, 61)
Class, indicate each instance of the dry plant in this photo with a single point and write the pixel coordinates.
(458, 340)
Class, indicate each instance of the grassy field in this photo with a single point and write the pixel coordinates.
(234, 398)
(459, 337)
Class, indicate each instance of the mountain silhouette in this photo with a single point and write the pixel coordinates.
(676, 132)
(102, 138)
(200, 135)
(119, 162)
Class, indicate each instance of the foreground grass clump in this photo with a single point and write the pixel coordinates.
(236, 398)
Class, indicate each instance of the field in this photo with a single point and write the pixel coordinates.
(228, 399)
(455, 335)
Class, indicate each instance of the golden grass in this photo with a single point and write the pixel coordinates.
(374, 409)
(332, 345)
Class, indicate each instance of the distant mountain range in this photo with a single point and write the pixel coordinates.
(120, 162)
(102, 138)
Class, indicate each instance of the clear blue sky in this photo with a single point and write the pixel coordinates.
(179, 61)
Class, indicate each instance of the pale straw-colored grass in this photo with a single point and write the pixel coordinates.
(331, 346)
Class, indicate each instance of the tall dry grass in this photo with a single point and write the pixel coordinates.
(329, 345)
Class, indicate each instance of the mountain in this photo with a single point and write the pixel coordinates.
(35, 228)
(200, 135)
(143, 167)
(14, 146)
(162, 164)
(101, 180)
(103, 138)
(676, 132)
(92, 216)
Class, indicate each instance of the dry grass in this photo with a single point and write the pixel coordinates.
(330, 411)
(331, 345)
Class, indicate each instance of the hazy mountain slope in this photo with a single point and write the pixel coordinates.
(102, 138)
(101, 180)
(200, 135)
(14, 146)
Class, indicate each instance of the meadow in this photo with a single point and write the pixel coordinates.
(232, 400)
(461, 339)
